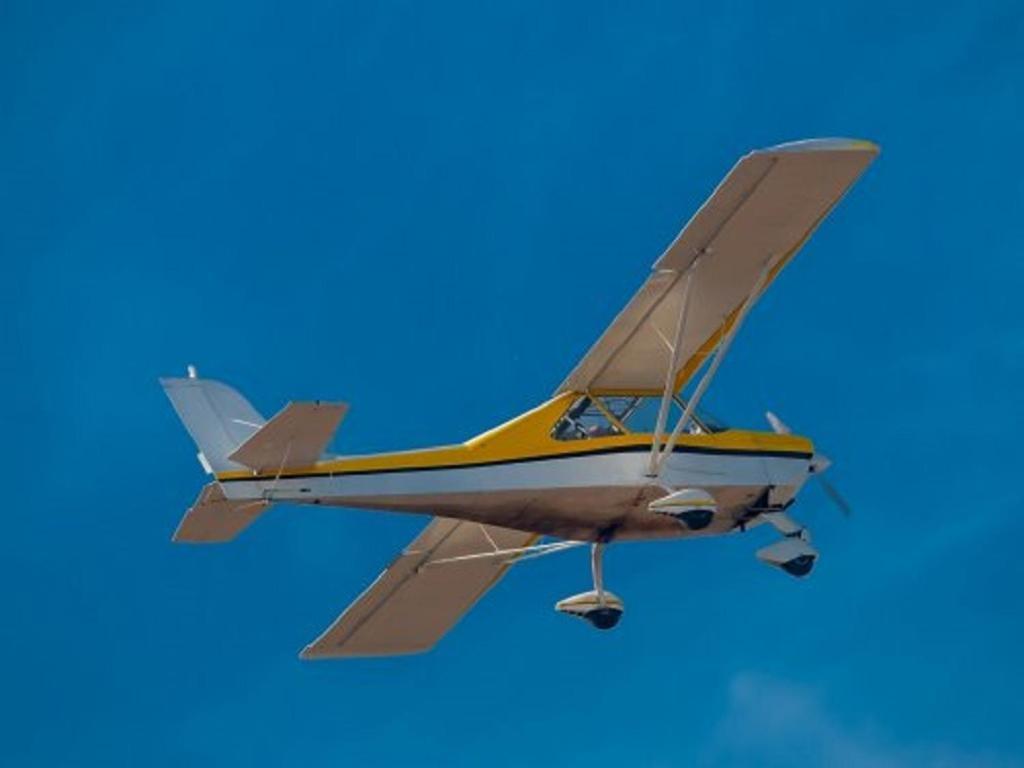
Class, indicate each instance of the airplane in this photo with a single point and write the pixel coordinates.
(622, 451)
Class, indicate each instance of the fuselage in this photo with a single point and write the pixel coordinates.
(519, 475)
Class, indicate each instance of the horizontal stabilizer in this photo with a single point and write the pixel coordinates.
(214, 518)
(295, 437)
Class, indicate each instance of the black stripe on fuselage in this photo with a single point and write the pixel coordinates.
(524, 460)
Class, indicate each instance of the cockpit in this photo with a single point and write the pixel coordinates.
(592, 416)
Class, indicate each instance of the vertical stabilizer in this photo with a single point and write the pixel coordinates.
(218, 418)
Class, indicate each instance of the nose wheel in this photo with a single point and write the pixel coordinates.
(599, 607)
(794, 553)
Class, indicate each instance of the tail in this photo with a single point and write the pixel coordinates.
(218, 418)
(232, 436)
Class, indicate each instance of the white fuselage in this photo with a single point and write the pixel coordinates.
(590, 496)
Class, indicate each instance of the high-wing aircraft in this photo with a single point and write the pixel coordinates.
(620, 452)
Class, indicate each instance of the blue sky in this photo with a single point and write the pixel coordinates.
(431, 212)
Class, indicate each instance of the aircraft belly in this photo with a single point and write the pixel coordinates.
(584, 514)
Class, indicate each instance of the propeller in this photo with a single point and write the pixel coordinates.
(819, 463)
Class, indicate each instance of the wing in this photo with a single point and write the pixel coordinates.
(758, 218)
(410, 607)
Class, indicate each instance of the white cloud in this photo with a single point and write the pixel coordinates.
(769, 722)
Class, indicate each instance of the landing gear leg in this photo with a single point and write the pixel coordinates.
(599, 607)
(596, 557)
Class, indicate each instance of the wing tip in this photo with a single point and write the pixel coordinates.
(313, 653)
(838, 144)
(317, 651)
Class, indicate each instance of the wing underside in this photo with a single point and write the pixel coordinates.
(754, 222)
(412, 604)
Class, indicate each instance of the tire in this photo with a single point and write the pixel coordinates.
(799, 566)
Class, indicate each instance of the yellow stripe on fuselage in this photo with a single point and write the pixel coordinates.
(529, 437)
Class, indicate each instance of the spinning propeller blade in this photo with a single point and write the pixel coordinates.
(819, 463)
(837, 498)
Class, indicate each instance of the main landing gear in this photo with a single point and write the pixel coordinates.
(599, 606)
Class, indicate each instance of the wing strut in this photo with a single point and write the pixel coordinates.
(723, 348)
(510, 556)
(673, 365)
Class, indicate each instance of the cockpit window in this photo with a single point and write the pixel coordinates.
(608, 415)
(586, 419)
(711, 423)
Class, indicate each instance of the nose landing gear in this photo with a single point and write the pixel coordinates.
(599, 607)
(794, 554)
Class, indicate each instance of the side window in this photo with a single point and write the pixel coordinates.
(607, 415)
(584, 420)
(639, 414)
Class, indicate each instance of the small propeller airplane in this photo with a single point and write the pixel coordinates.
(621, 452)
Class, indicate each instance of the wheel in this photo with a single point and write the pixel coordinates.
(697, 519)
(799, 566)
(604, 618)
(601, 610)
